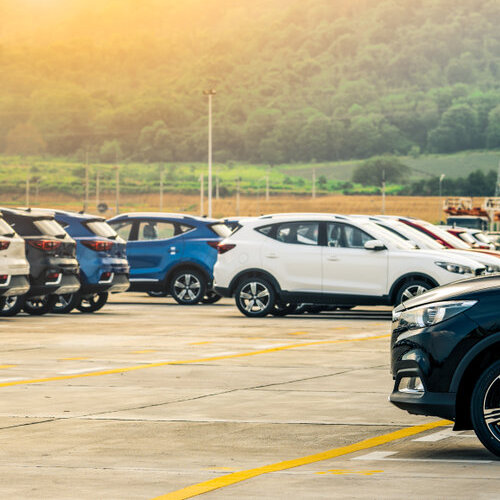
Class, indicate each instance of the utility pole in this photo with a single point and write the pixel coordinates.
(217, 188)
(497, 187)
(202, 192)
(210, 93)
(314, 183)
(28, 192)
(267, 187)
(97, 186)
(237, 196)
(117, 194)
(86, 201)
(161, 189)
(383, 192)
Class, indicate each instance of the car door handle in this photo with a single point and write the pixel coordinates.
(332, 258)
(173, 250)
(271, 256)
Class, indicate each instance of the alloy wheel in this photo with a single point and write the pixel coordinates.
(187, 287)
(254, 297)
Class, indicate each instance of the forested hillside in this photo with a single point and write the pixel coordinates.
(296, 81)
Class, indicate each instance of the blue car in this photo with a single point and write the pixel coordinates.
(101, 254)
(171, 254)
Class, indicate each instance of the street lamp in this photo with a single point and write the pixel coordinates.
(441, 178)
(210, 93)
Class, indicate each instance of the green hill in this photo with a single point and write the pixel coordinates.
(297, 81)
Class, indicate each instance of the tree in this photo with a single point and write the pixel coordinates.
(110, 151)
(373, 172)
(24, 139)
(493, 129)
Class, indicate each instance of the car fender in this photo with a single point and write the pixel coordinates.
(479, 348)
(255, 272)
(415, 275)
(185, 265)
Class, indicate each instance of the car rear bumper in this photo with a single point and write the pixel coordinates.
(118, 283)
(16, 285)
(69, 283)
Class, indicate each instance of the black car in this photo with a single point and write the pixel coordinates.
(446, 356)
(51, 254)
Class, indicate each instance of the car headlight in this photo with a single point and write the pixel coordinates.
(432, 314)
(455, 268)
(492, 269)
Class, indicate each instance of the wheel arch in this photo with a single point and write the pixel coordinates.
(254, 273)
(466, 375)
(186, 266)
(406, 278)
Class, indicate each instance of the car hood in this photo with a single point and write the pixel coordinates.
(457, 290)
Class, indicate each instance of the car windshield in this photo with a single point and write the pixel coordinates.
(221, 230)
(5, 229)
(408, 233)
(386, 236)
(454, 241)
(49, 227)
(482, 238)
(468, 238)
(101, 228)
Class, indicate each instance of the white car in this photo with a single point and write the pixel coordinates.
(14, 268)
(425, 242)
(273, 261)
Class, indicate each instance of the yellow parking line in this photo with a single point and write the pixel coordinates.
(73, 359)
(201, 343)
(125, 369)
(299, 333)
(237, 477)
(145, 351)
(2, 367)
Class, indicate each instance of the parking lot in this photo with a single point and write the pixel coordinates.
(147, 398)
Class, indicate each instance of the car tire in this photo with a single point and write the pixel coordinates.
(485, 408)
(12, 305)
(249, 295)
(282, 310)
(412, 288)
(157, 293)
(92, 303)
(188, 287)
(65, 303)
(37, 306)
(211, 297)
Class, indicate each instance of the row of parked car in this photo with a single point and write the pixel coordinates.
(275, 264)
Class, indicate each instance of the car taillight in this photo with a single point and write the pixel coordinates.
(105, 276)
(52, 277)
(225, 247)
(3, 279)
(45, 245)
(4, 245)
(213, 244)
(98, 245)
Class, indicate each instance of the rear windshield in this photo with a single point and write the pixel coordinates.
(29, 226)
(221, 230)
(5, 229)
(101, 228)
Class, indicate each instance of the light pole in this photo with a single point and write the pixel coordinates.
(210, 93)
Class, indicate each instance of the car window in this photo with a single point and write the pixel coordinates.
(153, 230)
(101, 228)
(221, 230)
(183, 228)
(5, 228)
(345, 236)
(122, 229)
(299, 233)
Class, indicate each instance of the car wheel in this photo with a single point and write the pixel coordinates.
(92, 303)
(12, 305)
(411, 289)
(187, 287)
(159, 293)
(485, 408)
(36, 306)
(255, 297)
(282, 310)
(65, 303)
(211, 297)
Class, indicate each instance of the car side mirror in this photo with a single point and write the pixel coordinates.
(374, 245)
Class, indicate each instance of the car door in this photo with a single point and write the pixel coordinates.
(293, 256)
(349, 268)
(153, 248)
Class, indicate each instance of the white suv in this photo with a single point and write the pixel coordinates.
(14, 268)
(273, 261)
